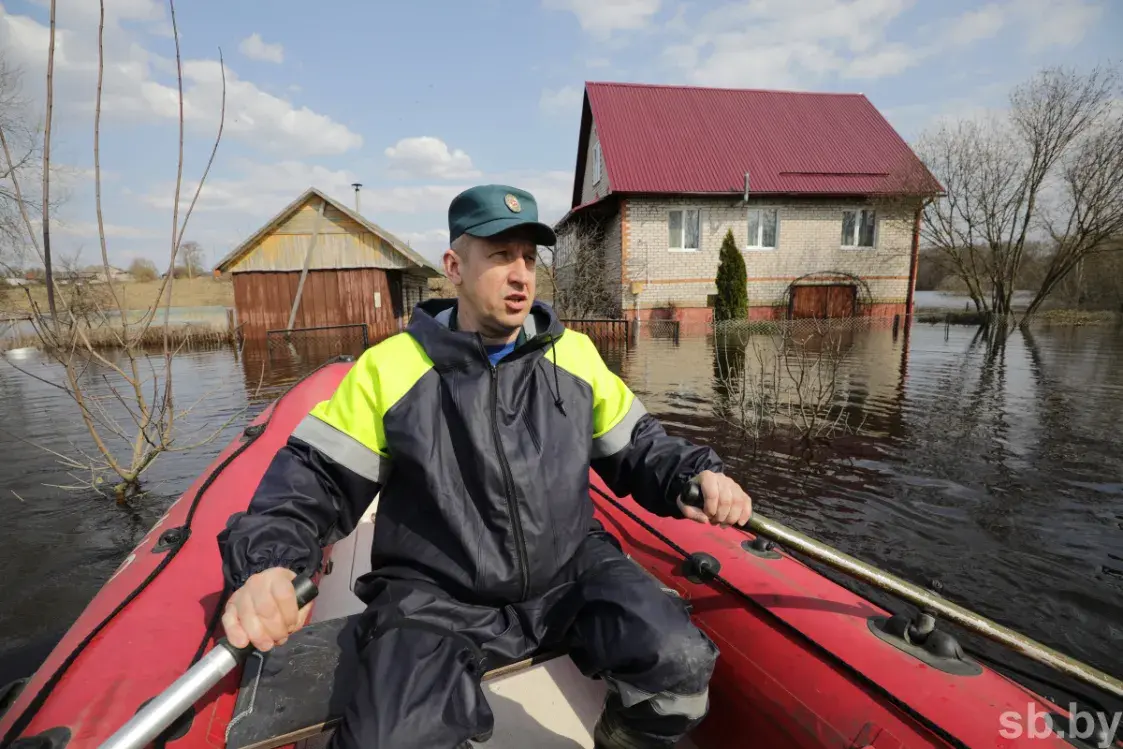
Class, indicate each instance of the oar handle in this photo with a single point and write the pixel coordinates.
(306, 592)
(692, 494)
(154, 718)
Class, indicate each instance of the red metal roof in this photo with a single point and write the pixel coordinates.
(670, 139)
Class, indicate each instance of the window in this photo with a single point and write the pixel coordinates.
(683, 227)
(596, 162)
(763, 225)
(858, 228)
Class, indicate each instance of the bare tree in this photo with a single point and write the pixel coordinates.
(585, 271)
(999, 175)
(23, 145)
(129, 410)
(1089, 218)
(143, 269)
(193, 257)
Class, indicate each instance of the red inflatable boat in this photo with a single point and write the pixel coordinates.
(804, 662)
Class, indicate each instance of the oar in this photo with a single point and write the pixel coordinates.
(924, 599)
(162, 711)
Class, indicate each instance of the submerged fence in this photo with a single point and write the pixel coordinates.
(321, 342)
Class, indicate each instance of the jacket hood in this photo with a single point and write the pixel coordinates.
(431, 325)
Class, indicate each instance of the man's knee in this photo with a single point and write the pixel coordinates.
(693, 656)
(683, 662)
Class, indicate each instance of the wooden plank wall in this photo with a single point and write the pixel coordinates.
(331, 297)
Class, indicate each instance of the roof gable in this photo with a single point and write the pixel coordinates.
(395, 244)
(668, 139)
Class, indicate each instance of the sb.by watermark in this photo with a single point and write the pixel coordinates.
(1093, 728)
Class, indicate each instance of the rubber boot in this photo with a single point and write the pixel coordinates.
(608, 736)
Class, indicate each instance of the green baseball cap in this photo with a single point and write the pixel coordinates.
(487, 210)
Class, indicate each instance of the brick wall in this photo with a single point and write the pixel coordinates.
(809, 241)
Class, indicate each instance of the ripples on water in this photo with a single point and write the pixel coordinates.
(995, 472)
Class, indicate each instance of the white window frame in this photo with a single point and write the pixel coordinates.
(857, 210)
(684, 211)
(596, 162)
(750, 242)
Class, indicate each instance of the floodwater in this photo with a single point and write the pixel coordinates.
(993, 473)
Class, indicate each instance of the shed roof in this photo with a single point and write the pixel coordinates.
(395, 243)
(686, 139)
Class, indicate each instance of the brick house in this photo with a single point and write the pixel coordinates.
(822, 195)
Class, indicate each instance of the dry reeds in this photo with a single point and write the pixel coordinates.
(186, 336)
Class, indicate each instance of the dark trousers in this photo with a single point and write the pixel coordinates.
(422, 655)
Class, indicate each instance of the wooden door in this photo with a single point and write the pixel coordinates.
(823, 301)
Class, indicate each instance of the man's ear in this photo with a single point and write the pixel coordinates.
(451, 263)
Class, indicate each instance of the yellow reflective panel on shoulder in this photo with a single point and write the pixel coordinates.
(378, 380)
(612, 400)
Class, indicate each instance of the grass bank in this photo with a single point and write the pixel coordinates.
(1057, 317)
(137, 295)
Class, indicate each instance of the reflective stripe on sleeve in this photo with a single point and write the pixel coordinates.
(343, 449)
(620, 435)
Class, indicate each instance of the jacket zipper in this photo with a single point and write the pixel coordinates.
(508, 479)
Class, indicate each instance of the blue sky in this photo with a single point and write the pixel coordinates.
(420, 99)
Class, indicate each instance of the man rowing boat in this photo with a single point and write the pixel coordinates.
(476, 428)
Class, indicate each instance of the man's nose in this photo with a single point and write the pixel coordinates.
(520, 272)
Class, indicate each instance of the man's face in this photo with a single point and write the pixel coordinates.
(495, 280)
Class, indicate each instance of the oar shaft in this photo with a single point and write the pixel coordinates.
(831, 557)
(858, 569)
(161, 712)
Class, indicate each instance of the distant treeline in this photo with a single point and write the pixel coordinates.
(1097, 284)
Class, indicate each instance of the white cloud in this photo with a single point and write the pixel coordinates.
(429, 157)
(89, 231)
(601, 17)
(978, 24)
(890, 60)
(562, 101)
(259, 190)
(1056, 23)
(256, 48)
(431, 242)
(802, 44)
(787, 43)
(140, 86)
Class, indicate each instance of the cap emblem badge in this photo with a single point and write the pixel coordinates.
(512, 203)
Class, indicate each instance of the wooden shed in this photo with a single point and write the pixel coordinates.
(317, 264)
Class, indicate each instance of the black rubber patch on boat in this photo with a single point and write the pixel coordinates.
(10, 691)
(760, 547)
(700, 567)
(254, 430)
(172, 538)
(53, 738)
(938, 649)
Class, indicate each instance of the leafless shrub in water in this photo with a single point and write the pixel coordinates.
(126, 399)
(781, 380)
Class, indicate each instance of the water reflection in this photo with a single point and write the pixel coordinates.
(992, 467)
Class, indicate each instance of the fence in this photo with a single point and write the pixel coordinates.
(321, 342)
(600, 329)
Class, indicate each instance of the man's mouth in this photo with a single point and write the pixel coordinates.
(515, 302)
